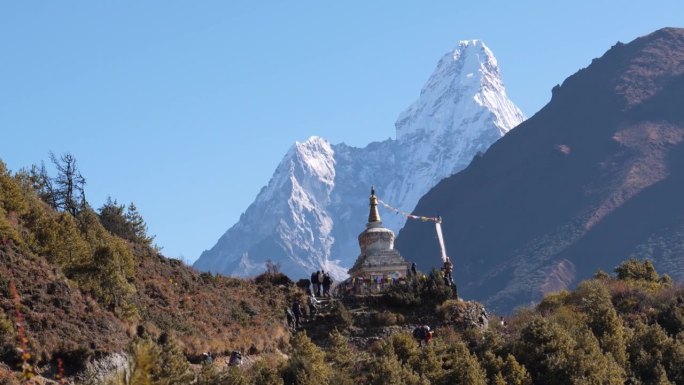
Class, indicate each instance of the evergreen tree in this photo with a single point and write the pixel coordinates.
(339, 355)
(404, 346)
(661, 376)
(69, 184)
(589, 365)
(499, 380)
(387, 369)
(545, 349)
(264, 374)
(209, 374)
(672, 318)
(674, 356)
(123, 222)
(633, 269)
(592, 298)
(235, 376)
(647, 351)
(306, 365)
(172, 367)
(113, 218)
(514, 373)
(492, 364)
(109, 271)
(137, 225)
(464, 368)
(427, 364)
(142, 364)
(11, 196)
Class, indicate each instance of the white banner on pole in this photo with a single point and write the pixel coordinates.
(438, 225)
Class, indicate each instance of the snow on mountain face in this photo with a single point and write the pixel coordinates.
(310, 213)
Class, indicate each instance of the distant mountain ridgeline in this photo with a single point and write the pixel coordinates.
(596, 175)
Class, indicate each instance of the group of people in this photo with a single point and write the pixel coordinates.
(448, 269)
(295, 313)
(422, 334)
(234, 360)
(321, 281)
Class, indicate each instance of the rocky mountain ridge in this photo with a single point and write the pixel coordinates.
(594, 177)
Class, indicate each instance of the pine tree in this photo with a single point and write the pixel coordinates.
(306, 365)
(588, 364)
(137, 225)
(593, 299)
(69, 184)
(633, 269)
(339, 355)
(545, 349)
(428, 364)
(492, 364)
(675, 360)
(209, 374)
(514, 373)
(646, 350)
(144, 358)
(661, 376)
(235, 376)
(499, 380)
(465, 368)
(11, 197)
(113, 218)
(172, 368)
(264, 374)
(405, 346)
(386, 369)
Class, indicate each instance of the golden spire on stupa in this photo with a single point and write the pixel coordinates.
(374, 215)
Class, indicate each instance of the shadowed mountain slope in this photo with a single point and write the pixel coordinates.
(595, 176)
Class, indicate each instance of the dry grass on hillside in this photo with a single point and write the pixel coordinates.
(208, 312)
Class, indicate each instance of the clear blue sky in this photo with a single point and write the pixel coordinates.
(186, 108)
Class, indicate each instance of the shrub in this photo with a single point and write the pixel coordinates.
(269, 278)
(633, 269)
(340, 317)
(306, 365)
(387, 369)
(403, 295)
(172, 367)
(552, 302)
(672, 317)
(514, 373)
(451, 310)
(424, 291)
(265, 374)
(386, 318)
(464, 368)
(341, 358)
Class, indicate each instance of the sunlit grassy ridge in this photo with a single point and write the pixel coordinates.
(90, 283)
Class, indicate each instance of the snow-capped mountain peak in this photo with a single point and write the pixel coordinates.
(469, 71)
(309, 215)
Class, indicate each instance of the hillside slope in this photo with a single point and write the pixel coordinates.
(84, 291)
(595, 176)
